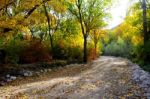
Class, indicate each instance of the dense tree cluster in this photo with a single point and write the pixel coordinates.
(56, 25)
(74, 30)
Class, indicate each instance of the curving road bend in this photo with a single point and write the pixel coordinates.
(104, 78)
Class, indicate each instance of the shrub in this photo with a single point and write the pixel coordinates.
(68, 52)
(35, 52)
(75, 53)
(13, 49)
(59, 52)
(119, 48)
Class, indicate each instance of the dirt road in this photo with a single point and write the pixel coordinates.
(104, 78)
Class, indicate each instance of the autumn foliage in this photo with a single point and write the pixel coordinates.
(35, 52)
(73, 30)
(92, 54)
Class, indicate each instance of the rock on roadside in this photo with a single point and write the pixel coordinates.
(142, 78)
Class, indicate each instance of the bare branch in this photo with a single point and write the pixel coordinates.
(34, 8)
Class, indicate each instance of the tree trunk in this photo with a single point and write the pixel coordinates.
(146, 36)
(85, 49)
(84, 32)
(95, 50)
(144, 22)
(51, 42)
(50, 35)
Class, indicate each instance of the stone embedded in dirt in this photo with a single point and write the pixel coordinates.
(41, 70)
(148, 90)
(9, 80)
(148, 94)
(49, 70)
(72, 65)
(142, 85)
(120, 63)
(45, 70)
(27, 73)
(146, 82)
(13, 77)
(136, 77)
(2, 83)
(8, 75)
(142, 78)
(37, 72)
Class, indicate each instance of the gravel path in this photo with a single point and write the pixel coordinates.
(104, 78)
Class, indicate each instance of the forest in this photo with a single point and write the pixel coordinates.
(61, 32)
(72, 30)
